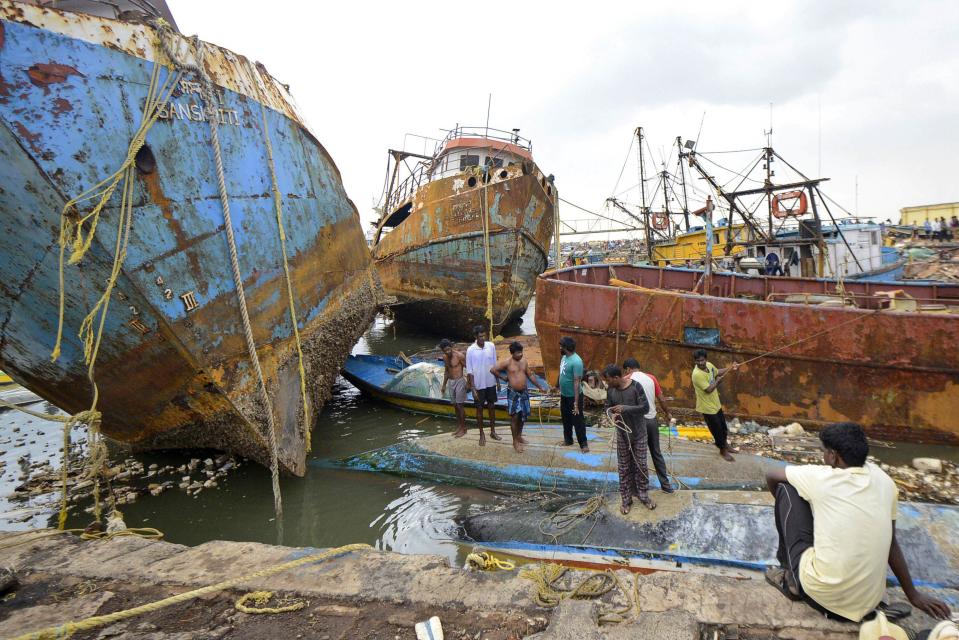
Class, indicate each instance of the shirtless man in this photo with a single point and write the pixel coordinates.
(517, 372)
(454, 361)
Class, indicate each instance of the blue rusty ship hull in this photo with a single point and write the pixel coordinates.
(173, 368)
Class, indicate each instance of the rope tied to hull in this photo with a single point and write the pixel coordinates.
(278, 210)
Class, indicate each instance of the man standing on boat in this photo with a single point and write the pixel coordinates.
(571, 395)
(837, 531)
(515, 371)
(454, 362)
(626, 402)
(706, 378)
(480, 358)
(654, 393)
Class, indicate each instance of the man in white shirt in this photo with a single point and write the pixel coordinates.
(837, 531)
(480, 358)
(653, 392)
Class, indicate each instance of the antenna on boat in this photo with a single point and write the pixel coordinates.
(489, 103)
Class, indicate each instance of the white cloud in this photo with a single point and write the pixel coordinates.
(578, 79)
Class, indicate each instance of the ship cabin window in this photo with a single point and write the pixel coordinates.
(468, 160)
(493, 162)
(874, 237)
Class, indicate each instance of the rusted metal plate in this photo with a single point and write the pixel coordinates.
(896, 373)
(173, 369)
(434, 261)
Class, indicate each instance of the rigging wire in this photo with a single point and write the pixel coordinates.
(599, 215)
(621, 171)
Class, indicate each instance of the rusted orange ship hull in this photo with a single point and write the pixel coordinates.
(895, 372)
(434, 263)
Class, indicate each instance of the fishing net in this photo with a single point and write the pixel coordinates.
(423, 379)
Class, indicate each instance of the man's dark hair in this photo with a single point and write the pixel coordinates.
(514, 347)
(478, 329)
(630, 363)
(699, 353)
(848, 440)
(567, 343)
(612, 371)
(445, 343)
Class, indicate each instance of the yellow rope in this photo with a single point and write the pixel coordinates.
(278, 209)
(260, 598)
(486, 561)
(68, 629)
(489, 268)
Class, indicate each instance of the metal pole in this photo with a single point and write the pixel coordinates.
(556, 264)
(682, 175)
(708, 216)
(642, 191)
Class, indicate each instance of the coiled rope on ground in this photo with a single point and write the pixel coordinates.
(68, 629)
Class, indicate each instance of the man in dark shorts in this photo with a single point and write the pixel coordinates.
(480, 358)
(515, 371)
(706, 378)
(453, 377)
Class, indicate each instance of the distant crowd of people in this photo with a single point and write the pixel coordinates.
(940, 229)
(836, 521)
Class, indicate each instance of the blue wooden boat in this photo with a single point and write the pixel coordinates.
(373, 374)
(545, 465)
(173, 368)
(725, 532)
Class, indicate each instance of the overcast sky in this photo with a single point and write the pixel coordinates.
(880, 80)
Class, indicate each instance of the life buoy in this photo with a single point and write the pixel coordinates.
(660, 221)
(798, 204)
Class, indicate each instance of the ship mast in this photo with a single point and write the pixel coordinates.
(682, 177)
(642, 191)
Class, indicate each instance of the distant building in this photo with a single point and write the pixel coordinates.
(932, 212)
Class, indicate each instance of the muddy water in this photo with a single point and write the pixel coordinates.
(328, 507)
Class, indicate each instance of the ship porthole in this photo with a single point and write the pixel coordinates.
(503, 174)
(471, 182)
(144, 160)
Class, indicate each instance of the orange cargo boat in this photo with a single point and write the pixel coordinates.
(885, 355)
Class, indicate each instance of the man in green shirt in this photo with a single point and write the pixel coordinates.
(571, 397)
(706, 378)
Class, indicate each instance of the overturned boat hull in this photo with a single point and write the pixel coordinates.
(548, 466)
(173, 369)
(895, 372)
(717, 532)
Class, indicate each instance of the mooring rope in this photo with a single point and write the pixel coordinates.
(68, 629)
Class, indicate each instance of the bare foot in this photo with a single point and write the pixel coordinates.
(726, 455)
(648, 503)
(522, 439)
(459, 433)
(482, 440)
(518, 446)
(624, 509)
(494, 435)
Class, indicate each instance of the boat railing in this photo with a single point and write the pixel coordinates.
(512, 137)
(404, 191)
(889, 300)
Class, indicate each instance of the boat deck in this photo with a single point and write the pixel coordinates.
(548, 466)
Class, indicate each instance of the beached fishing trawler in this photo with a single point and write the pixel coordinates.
(465, 232)
(883, 354)
(200, 160)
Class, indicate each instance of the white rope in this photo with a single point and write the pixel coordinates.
(212, 118)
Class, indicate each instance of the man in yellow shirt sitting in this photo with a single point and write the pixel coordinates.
(837, 531)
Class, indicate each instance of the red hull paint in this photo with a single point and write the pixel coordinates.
(897, 373)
